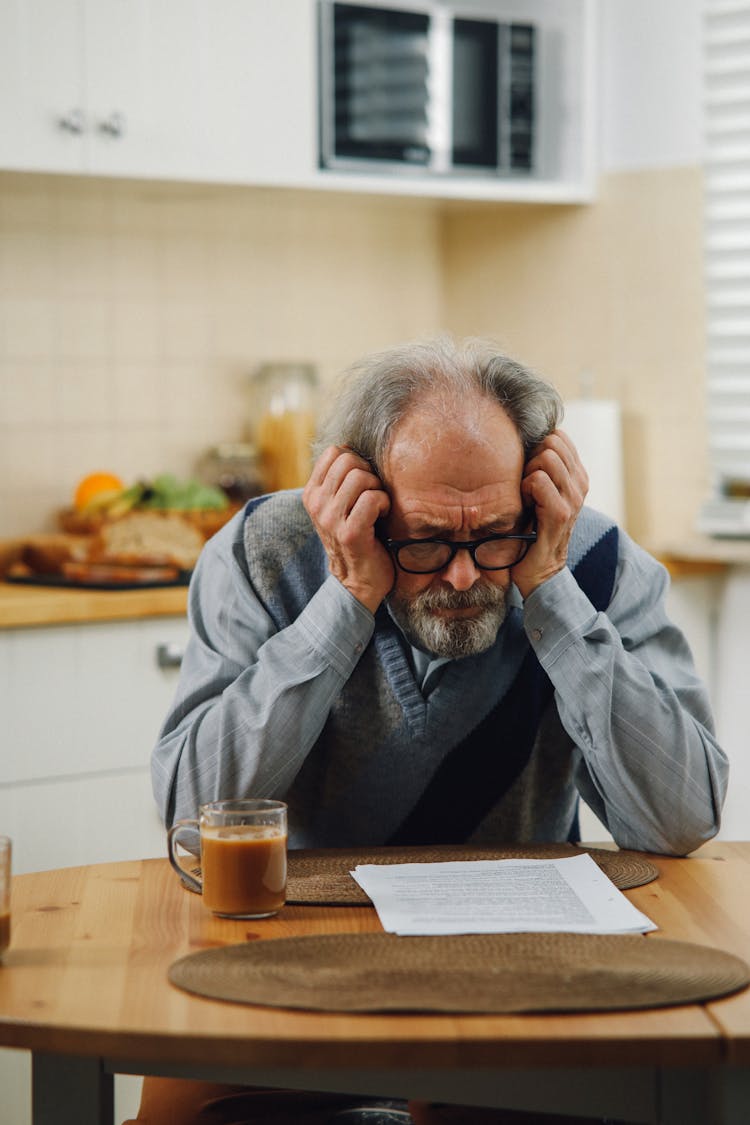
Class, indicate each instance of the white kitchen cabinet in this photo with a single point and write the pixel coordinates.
(259, 112)
(143, 97)
(102, 86)
(692, 604)
(731, 655)
(172, 89)
(226, 92)
(42, 85)
(714, 613)
(82, 706)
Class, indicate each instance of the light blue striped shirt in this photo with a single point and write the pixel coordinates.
(253, 701)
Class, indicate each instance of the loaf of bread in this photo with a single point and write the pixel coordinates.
(205, 520)
(148, 538)
(140, 547)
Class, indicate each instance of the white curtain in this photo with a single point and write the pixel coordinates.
(727, 235)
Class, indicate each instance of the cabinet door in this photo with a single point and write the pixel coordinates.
(111, 87)
(82, 820)
(42, 97)
(83, 699)
(82, 706)
(258, 103)
(143, 87)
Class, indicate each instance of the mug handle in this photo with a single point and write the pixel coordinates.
(173, 835)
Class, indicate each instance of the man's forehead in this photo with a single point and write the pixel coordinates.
(447, 444)
(477, 475)
(495, 509)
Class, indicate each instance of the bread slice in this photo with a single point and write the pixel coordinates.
(112, 574)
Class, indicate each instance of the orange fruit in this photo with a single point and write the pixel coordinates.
(94, 485)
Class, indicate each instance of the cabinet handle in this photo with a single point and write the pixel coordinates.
(73, 121)
(169, 655)
(114, 125)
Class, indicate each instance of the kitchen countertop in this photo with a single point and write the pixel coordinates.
(46, 605)
(22, 605)
(704, 550)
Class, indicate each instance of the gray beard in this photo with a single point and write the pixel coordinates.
(454, 638)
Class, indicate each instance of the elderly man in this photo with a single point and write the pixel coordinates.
(436, 642)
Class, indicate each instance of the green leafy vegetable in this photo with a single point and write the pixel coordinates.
(166, 491)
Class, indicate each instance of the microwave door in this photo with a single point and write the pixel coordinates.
(378, 109)
(375, 104)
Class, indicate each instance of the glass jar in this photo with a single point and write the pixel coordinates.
(284, 403)
(235, 468)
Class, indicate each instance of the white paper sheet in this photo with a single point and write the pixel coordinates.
(571, 895)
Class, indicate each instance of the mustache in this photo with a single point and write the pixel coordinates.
(479, 596)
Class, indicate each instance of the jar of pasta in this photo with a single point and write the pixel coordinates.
(284, 418)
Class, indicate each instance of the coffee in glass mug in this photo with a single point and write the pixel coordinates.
(243, 846)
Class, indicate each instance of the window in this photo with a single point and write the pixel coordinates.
(727, 259)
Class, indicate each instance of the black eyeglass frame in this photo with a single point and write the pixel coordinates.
(455, 545)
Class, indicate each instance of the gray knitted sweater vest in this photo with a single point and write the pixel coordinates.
(484, 758)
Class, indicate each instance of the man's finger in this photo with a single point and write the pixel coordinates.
(323, 464)
(356, 482)
(344, 463)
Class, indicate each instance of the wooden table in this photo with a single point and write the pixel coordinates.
(84, 987)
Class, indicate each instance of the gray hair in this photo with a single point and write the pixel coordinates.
(380, 389)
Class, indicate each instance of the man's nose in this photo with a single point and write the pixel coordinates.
(461, 572)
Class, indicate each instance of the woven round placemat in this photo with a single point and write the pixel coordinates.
(320, 876)
(528, 972)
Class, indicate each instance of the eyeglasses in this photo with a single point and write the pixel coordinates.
(428, 556)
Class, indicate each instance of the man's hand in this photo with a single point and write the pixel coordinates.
(554, 484)
(344, 498)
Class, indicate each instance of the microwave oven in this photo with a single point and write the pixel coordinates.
(425, 89)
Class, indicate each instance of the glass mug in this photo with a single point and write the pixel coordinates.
(243, 856)
(5, 853)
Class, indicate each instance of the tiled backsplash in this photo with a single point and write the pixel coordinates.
(132, 316)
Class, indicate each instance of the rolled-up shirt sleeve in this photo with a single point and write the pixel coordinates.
(646, 760)
(251, 700)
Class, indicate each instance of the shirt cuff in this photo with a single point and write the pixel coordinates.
(556, 615)
(338, 625)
